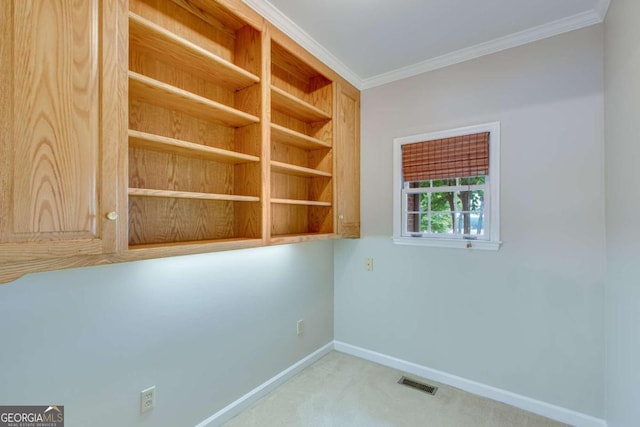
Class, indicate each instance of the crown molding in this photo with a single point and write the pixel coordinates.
(290, 28)
(602, 7)
(530, 35)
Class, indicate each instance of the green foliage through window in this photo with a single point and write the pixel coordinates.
(457, 210)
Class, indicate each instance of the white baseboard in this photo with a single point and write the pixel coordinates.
(537, 407)
(234, 408)
(548, 410)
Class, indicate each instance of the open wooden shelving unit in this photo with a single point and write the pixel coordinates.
(302, 187)
(195, 139)
(205, 163)
(197, 126)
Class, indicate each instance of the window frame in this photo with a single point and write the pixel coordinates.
(493, 181)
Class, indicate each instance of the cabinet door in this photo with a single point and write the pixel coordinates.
(61, 99)
(347, 154)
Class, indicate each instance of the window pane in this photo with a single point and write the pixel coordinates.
(469, 200)
(424, 202)
(441, 223)
(424, 223)
(476, 200)
(469, 223)
(459, 213)
(413, 202)
(472, 180)
(413, 223)
(464, 223)
(442, 201)
(477, 224)
(444, 182)
(419, 184)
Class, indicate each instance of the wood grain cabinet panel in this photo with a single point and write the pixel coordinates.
(60, 120)
(348, 162)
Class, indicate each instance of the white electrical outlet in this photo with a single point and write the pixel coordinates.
(300, 327)
(147, 399)
(368, 264)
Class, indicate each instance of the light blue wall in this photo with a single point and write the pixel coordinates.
(203, 329)
(622, 112)
(528, 318)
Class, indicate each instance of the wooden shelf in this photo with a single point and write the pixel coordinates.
(144, 192)
(161, 94)
(300, 237)
(298, 139)
(300, 202)
(297, 170)
(281, 57)
(189, 149)
(198, 246)
(168, 47)
(295, 107)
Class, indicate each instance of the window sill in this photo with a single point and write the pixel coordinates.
(482, 245)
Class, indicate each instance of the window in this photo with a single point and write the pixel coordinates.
(446, 188)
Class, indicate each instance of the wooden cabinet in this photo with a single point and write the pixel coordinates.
(60, 103)
(147, 128)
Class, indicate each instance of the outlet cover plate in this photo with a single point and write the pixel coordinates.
(300, 327)
(368, 264)
(147, 399)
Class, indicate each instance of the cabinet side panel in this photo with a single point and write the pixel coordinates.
(6, 113)
(320, 219)
(55, 128)
(247, 50)
(348, 164)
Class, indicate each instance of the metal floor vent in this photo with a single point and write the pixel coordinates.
(429, 389)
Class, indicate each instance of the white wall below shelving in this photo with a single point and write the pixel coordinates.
(204, 329)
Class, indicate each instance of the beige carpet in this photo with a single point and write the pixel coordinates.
(345, 391)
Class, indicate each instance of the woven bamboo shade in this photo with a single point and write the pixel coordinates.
(457, 157)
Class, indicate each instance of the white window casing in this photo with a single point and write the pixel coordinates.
(492, 193)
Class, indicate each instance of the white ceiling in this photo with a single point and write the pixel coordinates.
(372, 42)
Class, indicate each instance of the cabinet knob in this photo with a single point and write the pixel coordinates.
(112, 216)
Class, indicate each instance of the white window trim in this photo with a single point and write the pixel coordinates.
(493, 243)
